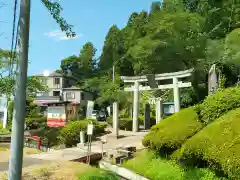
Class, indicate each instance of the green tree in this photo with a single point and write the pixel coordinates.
(156, 6)
(174, 42)
(221, 16)
(112, 49)
(87, 58)
(55, 10)
(78, 68)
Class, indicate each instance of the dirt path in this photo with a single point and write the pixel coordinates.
(5, 155)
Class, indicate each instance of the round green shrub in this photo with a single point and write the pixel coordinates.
(170, 133)
(125, 123)
(70, 134)
(217, 104)
(35, 122)
(2, 130)
(217, 146)
(48, 135)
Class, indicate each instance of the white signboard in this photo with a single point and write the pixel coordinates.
(90, 129)
(4, 110)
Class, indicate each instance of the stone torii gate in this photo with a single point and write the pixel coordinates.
(152, 80)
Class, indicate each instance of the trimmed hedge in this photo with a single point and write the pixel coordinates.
(217, 104)
(172, 132)
(217, 146)
(125, 123)
(150, 165)
(70, 134)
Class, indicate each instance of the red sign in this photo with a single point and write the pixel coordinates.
(56, 122)
(56, 116)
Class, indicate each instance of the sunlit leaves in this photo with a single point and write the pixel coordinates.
(55, 10)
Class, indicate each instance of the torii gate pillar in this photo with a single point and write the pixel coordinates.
(135, 125)
(176, 95)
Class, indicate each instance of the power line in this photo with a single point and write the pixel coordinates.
(13, 54)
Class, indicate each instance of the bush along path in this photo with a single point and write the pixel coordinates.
(217, 145)
(150, 165)
(169, 134)
(205, 135)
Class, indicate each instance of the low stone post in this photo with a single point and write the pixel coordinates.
(82, 137)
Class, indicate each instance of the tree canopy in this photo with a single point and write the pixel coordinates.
(172, 36)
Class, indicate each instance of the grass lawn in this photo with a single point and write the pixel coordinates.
(64, 171)
(147, 164)
(3, 148)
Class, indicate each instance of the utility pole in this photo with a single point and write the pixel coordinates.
(17, 139)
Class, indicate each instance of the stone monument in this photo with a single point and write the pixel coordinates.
(147, 117)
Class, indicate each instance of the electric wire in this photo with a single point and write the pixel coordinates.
(13, 54)
(14, 42)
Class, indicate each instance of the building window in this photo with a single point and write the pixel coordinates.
(56, 93)
(56, 81)
(44, 94)
(70, 95)
(82, 96)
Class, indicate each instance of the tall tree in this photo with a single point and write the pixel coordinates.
(77, 68)
(156, 6)
(221, 16)
(112, 49)
(87, 58)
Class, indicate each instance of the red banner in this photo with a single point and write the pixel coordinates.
(56, 122)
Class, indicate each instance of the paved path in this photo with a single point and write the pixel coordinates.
(128, 139)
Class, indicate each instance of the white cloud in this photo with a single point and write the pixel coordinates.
(59, 35)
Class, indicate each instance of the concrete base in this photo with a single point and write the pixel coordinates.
(121, 171)
(80, 145)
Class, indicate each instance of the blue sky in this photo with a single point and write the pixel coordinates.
(91, 20)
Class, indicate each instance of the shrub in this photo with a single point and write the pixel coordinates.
(125, 123)
(10, 113)
(172, 132)
(2, 130)
(217, 145)
(35, 122)
(48, 135)
(70, 134)
(217, 104)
